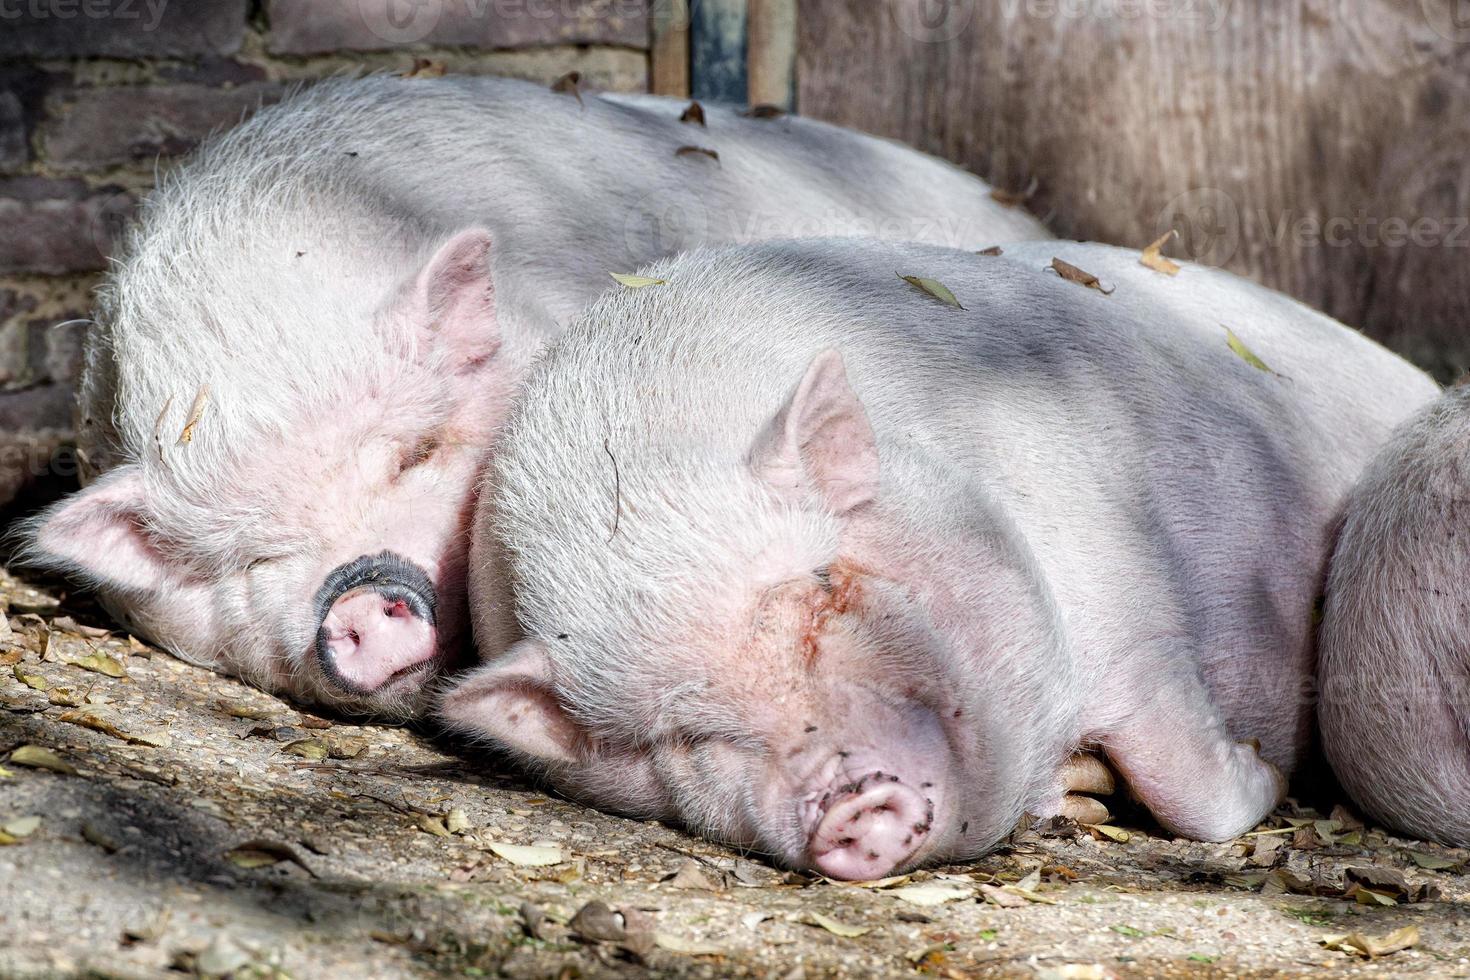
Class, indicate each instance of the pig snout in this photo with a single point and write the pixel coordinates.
(376, 617)
(866, 828)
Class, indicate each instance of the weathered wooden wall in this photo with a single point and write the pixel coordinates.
(1321, 146)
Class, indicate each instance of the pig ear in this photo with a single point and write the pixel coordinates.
(820, 441)
(514, 702)
(99, 534)
(454, 301)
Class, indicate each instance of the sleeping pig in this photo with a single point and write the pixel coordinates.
(822, 564)
(1395, 658)
(309, 341)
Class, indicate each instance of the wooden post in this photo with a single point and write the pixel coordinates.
(669, 55)
(717, 48)
(772, 61)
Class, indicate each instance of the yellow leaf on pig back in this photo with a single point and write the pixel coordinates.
(934, 288)
(1245, 353)
(637, 282)
(1154, 259)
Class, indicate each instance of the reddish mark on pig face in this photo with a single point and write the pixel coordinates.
(838, 593)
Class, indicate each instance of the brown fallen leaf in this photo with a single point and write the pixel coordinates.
(432, 825)
(1435, 862)
(424, 68)
(1154, 259)
(265, 853)
(836, 927)
(992, 250)
(100, 663)
(570, 84)
(29, 678)
(996, 895)
(66, 697)
(39, 757)
(1013, 199)
(694, 115)
(1071, 273)
(764, 111)
(690, 875)
(70, 625)
(196, 412)
(308, 748)
(246, 712)
(1372, 947)
(932, 287)
(689, 151)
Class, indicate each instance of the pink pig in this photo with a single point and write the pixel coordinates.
(822, 565)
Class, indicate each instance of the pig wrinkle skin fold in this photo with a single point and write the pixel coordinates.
(868, 568)
(1395, 645)
(337, 300)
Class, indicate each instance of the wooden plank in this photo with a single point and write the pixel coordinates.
(1258, 129)
(772, 53)
(717, 50)
(669, 51)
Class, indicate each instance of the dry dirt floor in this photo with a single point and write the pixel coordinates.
(159, 821)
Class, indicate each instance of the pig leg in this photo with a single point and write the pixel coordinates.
(1082, 775)
(1183, 765)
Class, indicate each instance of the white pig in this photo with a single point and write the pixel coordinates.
(305, 348)
(1395, 657)
(821, 565)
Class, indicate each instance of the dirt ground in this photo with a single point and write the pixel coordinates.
(167, 822)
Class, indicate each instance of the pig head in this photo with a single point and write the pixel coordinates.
(329, 562)
(772, 659)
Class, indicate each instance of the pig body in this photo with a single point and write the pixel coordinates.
(311, 336)
(1395, 647)
(822, 565)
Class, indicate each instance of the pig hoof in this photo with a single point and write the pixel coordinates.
(1084, 809)
(869, 828)
(1086, 773)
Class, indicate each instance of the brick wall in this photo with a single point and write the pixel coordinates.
(93, 93)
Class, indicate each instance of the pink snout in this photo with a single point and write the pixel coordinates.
(868, 828)
(369, 638)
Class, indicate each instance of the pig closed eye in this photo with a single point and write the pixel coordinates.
(418, 454)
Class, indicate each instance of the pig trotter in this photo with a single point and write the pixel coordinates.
(1082, 775)
(1192, 776)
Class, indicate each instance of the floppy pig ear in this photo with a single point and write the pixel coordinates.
(99, 534)
(513, 702)
(454, 300)
(820, 441)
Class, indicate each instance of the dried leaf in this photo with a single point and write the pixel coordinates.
(1244, 353)
(991, 251)
(22, 827)
(691, 150)
(196, 412)
(100, 663)
(764, 111)
(570, 84)
(1071, 273)
(934, 288)
(424, 68)
(456, 821)
(1131, 932)
(70, 625)
(37, 757)
(7, 841)
(694, 114)
(637, 282)
(1373, 947)
(1109, 831)
(932, 893)
(66, 697)
(1013, 199)
(996, 895)
(432, 825)
(527, 857)
(264, 854)
(835, 927)
(691, 876)
(30, 679)
(246, 712)
(598, 922)
(1153, 258)
(1434, 862)
(308, 748)
(98, 837)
